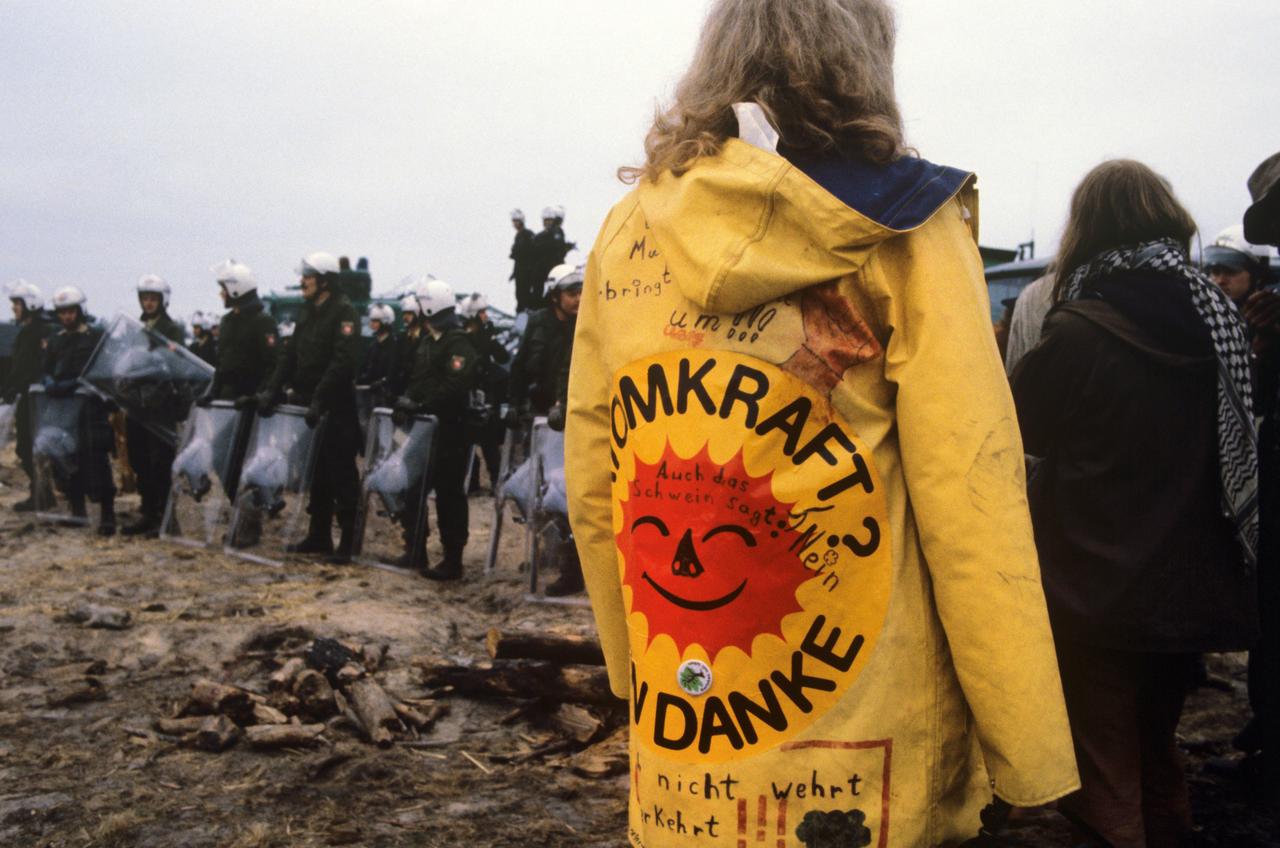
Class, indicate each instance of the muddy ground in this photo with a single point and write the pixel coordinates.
(89, 774)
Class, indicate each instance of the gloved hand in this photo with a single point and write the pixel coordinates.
(245, 402)
(513, 417)
(403, 411)
(266, 403)
(555, 417)
(313, 416)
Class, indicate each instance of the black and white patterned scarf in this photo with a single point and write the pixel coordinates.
(1237, 430)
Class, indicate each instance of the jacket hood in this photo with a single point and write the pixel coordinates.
(749, 226)
(1150, 313)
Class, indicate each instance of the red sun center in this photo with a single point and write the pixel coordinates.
(709, 552)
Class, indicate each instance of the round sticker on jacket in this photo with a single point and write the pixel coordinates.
(753, 546)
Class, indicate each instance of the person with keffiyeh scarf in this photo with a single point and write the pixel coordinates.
(1145, 507)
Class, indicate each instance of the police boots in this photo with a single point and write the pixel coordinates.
(107, 524)
(318, 540)
(449, 568)
(342, 556)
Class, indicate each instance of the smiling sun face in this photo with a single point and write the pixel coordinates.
(708, 552)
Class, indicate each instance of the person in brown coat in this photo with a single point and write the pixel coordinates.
(1145, 507)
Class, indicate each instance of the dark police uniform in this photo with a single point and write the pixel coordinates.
(150, 456)
(381, 366)
(535, 373)
(319, 367)
(443, 376)
(406, 356)
(206, 348)
(248, 351)
(66, 354)
(26, 367)
(526, 271)
(549, 250)
(491, 377)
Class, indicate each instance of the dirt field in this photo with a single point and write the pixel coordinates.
(92, 773)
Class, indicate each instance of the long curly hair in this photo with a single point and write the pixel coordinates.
(822, 70)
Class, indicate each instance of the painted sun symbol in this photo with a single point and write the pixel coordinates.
(710, 555)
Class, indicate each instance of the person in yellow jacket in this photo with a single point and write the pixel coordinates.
(795, 475)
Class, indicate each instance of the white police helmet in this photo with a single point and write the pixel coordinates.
(549, 213)
(409, 303)
(1232, 250)
(382, 312)
(517, 215)
(235, 277)
(435, 298)
(155, 284)
(317, 265)
(30, 296)
(67, 297)
(472, 305)
(563, 278)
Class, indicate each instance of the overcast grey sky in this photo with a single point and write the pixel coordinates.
(150, 136)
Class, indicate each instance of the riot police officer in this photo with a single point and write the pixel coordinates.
(26, 368)
(536, 372)
(319, 367)
(381, 359)
(525, 270)
(150, 456)
(410, 335)
(203, 344)
(549, 245)
(444, 375)
(66, 354)
(491, 377)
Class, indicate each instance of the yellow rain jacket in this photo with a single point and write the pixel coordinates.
(796, 483)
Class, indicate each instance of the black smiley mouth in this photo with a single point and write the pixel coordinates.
(694, 606)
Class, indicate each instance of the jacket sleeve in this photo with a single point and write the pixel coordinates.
(342, 365)
(587, 477)
(1044, 381)
(962, 460)
(286, 363)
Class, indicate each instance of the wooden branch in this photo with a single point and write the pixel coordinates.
(521, 679)
(208, 697)
(274, 736)
(374, 709)
(312, 689)
(282, 679)
(551, 647)
(216, 734)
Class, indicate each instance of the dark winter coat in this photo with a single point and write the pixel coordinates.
(321, 362)
(247, 354)
(1120, 399)
(549, 250)
(27, 365)
(381, 361)
(206, 348)
(444, 375)
(490, 375)
(524, 258)
(535, 373)
(163, 325)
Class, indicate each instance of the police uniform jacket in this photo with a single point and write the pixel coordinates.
(66, 354)
(381, 361)
(27, 365)
(163, 325)
(524, 258)
(536, 370)
(406, 357)
(444, 375)
(248, 351)
(321, 362)
(549, 250)
(206, 348)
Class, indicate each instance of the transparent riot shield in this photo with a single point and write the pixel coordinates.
(58, 452)
(391, 525)
(365, 396)
(205, 475)
(537, 491)
(155, 381)
(270, 511)
(7, 412)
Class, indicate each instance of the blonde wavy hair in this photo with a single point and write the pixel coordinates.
(822, 70)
